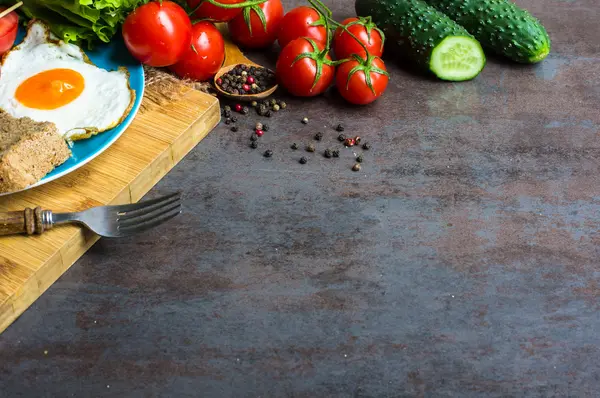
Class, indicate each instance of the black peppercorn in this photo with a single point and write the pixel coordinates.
(234, 129)
(227, 113)
(254, 145)
(227, 121)
(339, 128)
(273, 102)
(335, 153)
(265, 127)
(234, 119)
(268, 114)
(303, 160)
(282, 105)
(268, 153)
(245, 110)
(366, 146)
(341, 138)
(359, 158)
(318, 136)
(262, 110)
(310, 148)
(294, 146)
(253, 137)
(327, 153)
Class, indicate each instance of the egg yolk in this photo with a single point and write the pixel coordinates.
(50, 89)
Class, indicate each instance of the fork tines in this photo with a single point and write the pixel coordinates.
(142, 216)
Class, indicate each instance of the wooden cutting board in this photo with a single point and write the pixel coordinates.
(154, 143)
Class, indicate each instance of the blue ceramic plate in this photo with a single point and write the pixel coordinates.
(107, 56)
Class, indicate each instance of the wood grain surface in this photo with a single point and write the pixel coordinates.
(155, 142)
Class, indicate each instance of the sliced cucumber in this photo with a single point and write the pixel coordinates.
(457, 58)
(427, 37)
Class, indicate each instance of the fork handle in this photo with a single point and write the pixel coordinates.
(29, 221)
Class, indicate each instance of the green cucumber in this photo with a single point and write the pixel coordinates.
(426, 36)
(501, 26)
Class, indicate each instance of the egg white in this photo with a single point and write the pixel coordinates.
(105, 101)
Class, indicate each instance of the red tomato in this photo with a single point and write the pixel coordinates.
(204, 57)
(300, 77)
(257, 36)
(296, 23)
(213, 12)
(9, 25)
(158, 33)
(354, 87)
(345, 45)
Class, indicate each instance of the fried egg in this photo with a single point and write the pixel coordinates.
(49, 80)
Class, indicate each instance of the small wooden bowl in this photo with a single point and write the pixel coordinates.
(233, 57)
(241, 97)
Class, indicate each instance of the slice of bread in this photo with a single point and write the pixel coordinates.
(28, 151)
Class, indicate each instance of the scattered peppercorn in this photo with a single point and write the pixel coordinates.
(366, 146)
(356, 167)
(303, 160)
(253, 104)
(359, 158)
(254, 145)
(234, 119)
(268, 153)
(357, 140)
(327, 153)
(234, 129)
(259, 126)
(282, 104)
(259, 133)
(265, 127)
(341, 138)
(227, 108)
(294, 146)
(227, 121)
(227, 113)
(245, 110)
(273, 102)
(335, 153)
(238, 108)
(349, 142)
(305, 120)
(339, 128)
(268, 114)
(261, 110)
(318, 136)
(310, 148)
(276, 108)
(253, 137)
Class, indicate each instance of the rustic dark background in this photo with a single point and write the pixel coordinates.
(461, 261)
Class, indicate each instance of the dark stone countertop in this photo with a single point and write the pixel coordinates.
(462, 260)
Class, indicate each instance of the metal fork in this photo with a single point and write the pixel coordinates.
(107, 221)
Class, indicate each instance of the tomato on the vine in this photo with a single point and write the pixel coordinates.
(344, 45)
(9, 25)
(361, 80)
(157, 33)
(257, 26)
(204, 56)
(302, 22)
(205, 10)
(305, 68)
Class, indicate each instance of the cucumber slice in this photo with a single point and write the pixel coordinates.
(457, 58)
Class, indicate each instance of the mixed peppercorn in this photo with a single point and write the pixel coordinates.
(265, 107)
(243, 79)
